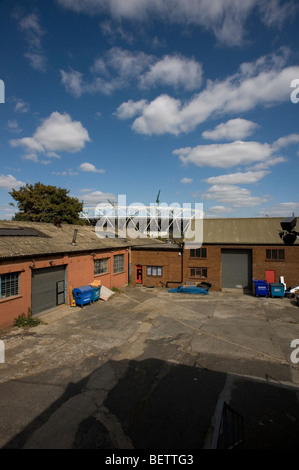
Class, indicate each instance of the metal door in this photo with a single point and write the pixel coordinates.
(236, 271)
(47, 288)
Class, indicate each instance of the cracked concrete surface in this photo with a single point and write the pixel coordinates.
(146, 370)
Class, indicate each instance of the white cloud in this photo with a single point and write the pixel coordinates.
(13, 126)
(130, 108)
(56, 133)
(224, 155)
(30, 25)
(98, 197)
(233, 195)
(261, 83)
(20, 105)
(234, 129)
(89, 167)
(119, 68)
(72, 81)
(175, 71)
(187, 180)
(9, 182)
(282, 209)
(248, 177)
(225, 19)
(285, 141)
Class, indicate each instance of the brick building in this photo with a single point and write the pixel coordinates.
(233, 252)
(41, 263)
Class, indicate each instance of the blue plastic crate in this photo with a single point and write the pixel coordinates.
(83, 295)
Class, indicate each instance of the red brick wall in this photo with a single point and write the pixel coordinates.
(169, 260)
(79, 272)
(173, 266)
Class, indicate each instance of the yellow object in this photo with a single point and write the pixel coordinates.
(73, 304)
(95, 283)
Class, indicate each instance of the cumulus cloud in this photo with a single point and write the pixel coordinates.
(89, 167)
(233, 195)
(120, 68)
(234, 129)
(248, 177)
(57, 133)
(173, 71)
(261, 83)
(9, 182)
(224, 155)
(226, 20)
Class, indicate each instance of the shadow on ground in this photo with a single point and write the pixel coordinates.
(156, 404)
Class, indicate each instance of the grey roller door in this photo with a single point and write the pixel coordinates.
(47, 288)
(236, 268)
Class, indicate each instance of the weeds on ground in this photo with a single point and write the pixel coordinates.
(26, 321)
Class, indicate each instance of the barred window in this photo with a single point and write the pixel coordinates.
(101, 266)
(154, 270)
(198, 272)
(118, 264)
(10, 285)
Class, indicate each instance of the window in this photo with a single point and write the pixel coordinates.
(154, 271)
(101, 266)
(118, 264)
(10, 285)
(275, 254)
(198, 272)
(198, 253)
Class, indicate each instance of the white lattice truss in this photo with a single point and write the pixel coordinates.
(160, 218)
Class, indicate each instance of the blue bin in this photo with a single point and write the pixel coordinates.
(261, 288)
(96, 293)
(276, 289)
(83, 295)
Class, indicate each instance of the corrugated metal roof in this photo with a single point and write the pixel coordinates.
(56, 240)
(243, 231)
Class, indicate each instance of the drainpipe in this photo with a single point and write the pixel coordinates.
(182, 268)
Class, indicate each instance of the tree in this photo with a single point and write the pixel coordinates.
(41, 203)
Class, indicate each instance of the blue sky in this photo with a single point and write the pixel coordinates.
(195, 98)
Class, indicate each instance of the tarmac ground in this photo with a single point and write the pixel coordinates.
(149, 369)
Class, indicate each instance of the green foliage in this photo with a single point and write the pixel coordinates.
(41, 203)
(28, 321)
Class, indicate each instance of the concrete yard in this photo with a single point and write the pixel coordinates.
(148, 369)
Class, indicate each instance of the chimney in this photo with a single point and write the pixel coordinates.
(74, 237)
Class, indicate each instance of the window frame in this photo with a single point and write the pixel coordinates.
(200, 270)
(117, 268)
(150, 271)
(203, 253)
(98, 261)
(11, 289)
(275, 254)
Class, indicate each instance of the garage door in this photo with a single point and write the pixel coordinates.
(236, 268)
(47, 288)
